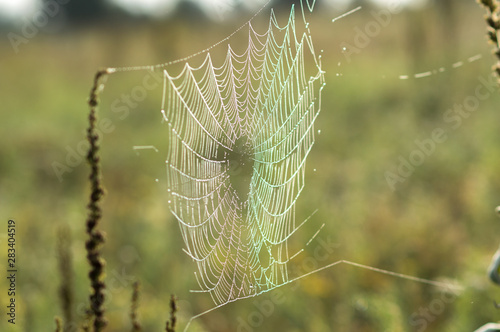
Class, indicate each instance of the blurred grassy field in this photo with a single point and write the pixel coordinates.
(438, 224)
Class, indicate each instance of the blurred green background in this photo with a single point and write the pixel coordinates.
(438, 223)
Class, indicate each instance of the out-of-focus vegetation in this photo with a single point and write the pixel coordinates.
(437, 224)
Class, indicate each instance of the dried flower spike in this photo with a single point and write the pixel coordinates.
(96, 237)
(493, 21)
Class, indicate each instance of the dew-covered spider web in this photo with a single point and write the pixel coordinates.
(239, 137)
(239, 131)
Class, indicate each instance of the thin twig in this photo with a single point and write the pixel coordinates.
(96, 237)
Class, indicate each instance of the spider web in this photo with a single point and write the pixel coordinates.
(239, 136)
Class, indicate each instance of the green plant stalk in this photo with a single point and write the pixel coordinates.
(58, 324)
(95, 236)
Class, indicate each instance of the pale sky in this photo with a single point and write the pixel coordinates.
(152, 7)
(22, 8)
(16, 8)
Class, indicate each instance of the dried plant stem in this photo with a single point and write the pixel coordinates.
(96, 237)
(136, 327)
(66, 293)
(493, 21)
(173, 309)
